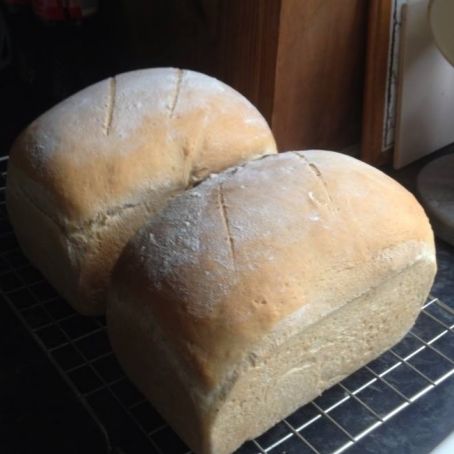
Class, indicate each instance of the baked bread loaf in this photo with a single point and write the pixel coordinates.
(85, 175)
(250, 294)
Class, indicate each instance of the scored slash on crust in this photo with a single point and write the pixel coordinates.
(317, 172)
(225, 218)
(177, 92)
(110, 105)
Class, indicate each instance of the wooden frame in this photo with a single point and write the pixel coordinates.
(301, 62)
(375, 89)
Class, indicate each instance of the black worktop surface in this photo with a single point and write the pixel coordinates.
(38, 412)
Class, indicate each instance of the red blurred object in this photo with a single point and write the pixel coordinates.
(79, 9)
(49, 10)
(64, 10)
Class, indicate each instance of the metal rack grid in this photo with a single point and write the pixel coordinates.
(79, 348)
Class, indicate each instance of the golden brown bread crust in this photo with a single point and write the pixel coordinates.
(227, 261)
(101, 162)
(234, 270)
(103, 145)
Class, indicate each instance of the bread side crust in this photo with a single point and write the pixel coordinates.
(41, 241)
(280, 380)
(109, 157)
(77, 260)
(277, 376)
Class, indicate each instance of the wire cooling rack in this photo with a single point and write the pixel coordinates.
(79, 348)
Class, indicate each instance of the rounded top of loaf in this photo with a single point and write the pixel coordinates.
(142, 131)
(261, 250)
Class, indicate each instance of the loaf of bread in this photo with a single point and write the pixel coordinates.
(85, 175)
(250, 294)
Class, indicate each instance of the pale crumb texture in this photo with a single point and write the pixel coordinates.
(103, 161)
(251, 293)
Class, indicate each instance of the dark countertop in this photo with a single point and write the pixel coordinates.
(38, 412)
(423, 425)
(416, 430)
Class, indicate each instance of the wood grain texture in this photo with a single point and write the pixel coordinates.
(375, 83)
(249, 34)
(319, 73)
